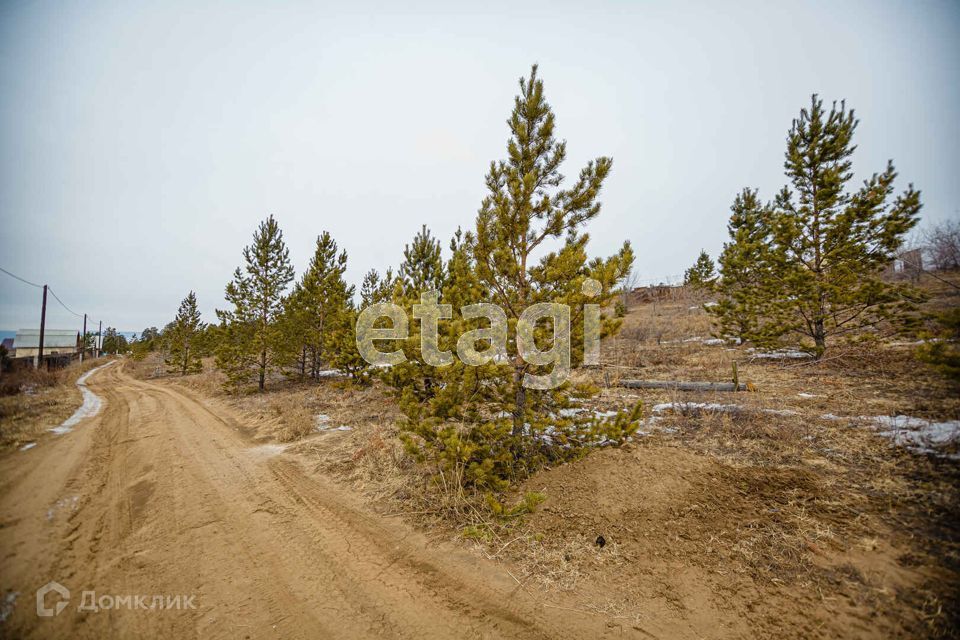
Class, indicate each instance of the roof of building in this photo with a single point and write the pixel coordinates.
(30, 338)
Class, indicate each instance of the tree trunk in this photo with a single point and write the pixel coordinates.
(263, 368)
(520, 401)
(819, 337)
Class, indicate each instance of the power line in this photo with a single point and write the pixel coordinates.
(40, 286)
(13, 275)
(79, 315)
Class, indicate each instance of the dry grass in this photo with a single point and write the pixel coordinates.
(771, 517)
(771, 497)
(34, 401)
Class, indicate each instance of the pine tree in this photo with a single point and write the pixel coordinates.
(250, 339)
(422, 268)
(525, 209)
(421, 271)
(942, 349)
(747, 308)
(474, 421)
(702, 274)
(113, 341)
(829, 246)
(341, 345)
(185, 339)
(313, 309)
(369, 288)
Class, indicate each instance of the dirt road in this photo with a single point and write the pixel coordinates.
(159, 495)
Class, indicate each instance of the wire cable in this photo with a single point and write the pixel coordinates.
(79, 315)
(13, 275)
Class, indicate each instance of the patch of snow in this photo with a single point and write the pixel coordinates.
(780, 412)
(780, 354)
(605, 414)
(268, 450)
(714, 341)
(915, 343)
(63, 503)
(330, 373)
(695, 406)
(916, 434)
(28, 446)
(715, 407)
(710, 304)
(6, 606)
(92, 403)
(322, 422)
(808, 395)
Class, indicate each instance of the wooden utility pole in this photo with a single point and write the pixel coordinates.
(99, 342)
(43, 321)
(83, 339)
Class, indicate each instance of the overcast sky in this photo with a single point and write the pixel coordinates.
(141, 143)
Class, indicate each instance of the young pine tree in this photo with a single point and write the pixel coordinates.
(250, 340)
(421, 271)
(314, 310)
(450, 430)
(828, 245)
(185, 339)
(747, 308)
(422, 268)
(527, 209)
(702, 274)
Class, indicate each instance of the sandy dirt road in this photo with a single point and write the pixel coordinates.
(161, 495)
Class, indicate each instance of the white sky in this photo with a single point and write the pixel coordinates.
(141, 143)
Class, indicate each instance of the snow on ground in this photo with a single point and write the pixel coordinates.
(70, 504)
(322, 423)
(28, 446)
(92, 403)
(916, 434)
(6, 605)
(694, 407)
(779, 354)
(268, 450)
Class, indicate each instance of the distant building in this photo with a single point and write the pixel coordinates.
(55, 341)
(907, 264)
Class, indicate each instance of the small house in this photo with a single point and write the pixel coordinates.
(55, 341)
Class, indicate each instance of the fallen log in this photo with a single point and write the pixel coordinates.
(684, 386)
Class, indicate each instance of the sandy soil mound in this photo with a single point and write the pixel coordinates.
(697, 548)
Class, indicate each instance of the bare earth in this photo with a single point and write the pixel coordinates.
(160, 495)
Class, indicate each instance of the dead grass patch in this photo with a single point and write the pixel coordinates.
(34, 401)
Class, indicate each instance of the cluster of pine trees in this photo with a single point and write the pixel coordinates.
(476, 424)
(807, 264)
(303, 330)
